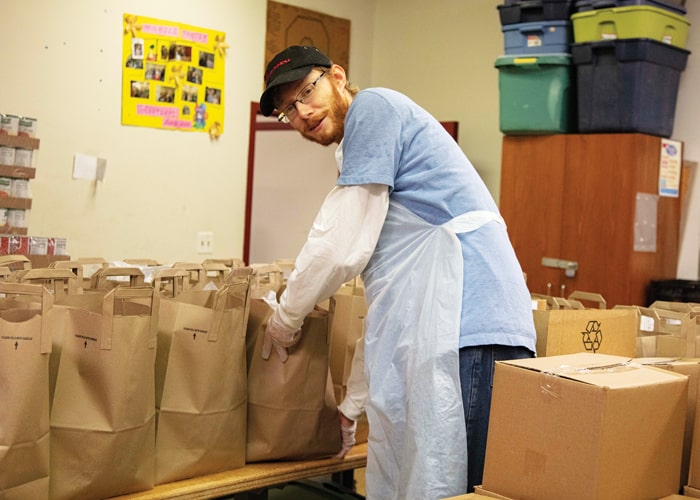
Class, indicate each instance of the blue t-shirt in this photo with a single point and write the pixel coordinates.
(391, 140)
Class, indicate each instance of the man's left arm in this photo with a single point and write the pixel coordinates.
(340, 243)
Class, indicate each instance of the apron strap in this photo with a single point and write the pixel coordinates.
(471, 221)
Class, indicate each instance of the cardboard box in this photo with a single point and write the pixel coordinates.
(691, 368)
(472, 496)
(678, 329)
(694, 467)
(476, 496)
(690, 330)
(691, 492)
(585, 426)
(489, 494)
(568, 331)
(647, 330)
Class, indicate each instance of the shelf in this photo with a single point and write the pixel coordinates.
(12, 202)
(17, 172)
(13, 231)
(19, 141)
(253, 477)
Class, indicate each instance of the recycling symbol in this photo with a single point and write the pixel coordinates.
(592, 336)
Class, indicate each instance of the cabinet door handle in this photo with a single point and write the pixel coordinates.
(570, 266)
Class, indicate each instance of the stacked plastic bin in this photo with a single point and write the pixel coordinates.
(628, 56)
(535, 73)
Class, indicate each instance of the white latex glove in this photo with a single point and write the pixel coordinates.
(347, 435)
(277, 334)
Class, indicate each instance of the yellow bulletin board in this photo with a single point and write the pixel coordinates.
(173, 76)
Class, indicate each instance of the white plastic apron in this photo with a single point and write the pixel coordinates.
(417, 441)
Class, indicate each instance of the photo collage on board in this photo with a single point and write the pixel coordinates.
(174, 80)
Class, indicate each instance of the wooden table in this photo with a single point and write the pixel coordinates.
(253, 477)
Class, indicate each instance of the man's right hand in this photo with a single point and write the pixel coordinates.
(279, 337)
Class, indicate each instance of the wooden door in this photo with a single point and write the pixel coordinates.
(532, 192)
(572, 198)
(604, 175)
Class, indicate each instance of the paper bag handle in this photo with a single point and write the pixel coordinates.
(142, 262)
(180, 279)
(193, 268)
(239, 272)
(589, 296)
(75, 266)
(230, 263)
(555, 302)
(46, 305)
(220, 306)
(11, 261)
(123, 292)
(267, 273)
(54, 276)
(216, 270)
(135, 275)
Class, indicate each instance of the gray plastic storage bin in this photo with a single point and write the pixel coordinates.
(545, 37)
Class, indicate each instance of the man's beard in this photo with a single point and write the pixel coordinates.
(337, 110)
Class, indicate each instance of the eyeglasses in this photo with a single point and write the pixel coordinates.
(303, 96)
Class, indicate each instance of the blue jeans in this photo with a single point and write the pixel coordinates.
(476, 365)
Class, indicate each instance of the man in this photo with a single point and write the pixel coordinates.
(446, 295)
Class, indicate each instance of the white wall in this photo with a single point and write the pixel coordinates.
(61, 63)
(687, 129)
(441, 53)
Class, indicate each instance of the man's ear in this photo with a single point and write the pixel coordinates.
(337, 73)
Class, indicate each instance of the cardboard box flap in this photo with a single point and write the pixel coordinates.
(613, 372)
(580, 360)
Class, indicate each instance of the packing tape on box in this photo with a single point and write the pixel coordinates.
(549, 387)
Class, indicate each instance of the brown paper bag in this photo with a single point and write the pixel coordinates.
(103, 411)
(61, 282)
(292, 412)
(347, 310)
(201, 387)
(25, 344)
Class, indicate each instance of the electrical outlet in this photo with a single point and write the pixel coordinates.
(205, 242)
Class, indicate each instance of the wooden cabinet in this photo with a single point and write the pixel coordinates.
(17, 172)
(572, 198)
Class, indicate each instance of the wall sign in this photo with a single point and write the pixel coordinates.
(670, 168)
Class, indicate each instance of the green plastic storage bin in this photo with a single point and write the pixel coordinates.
(535, 94)
(631, 22)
